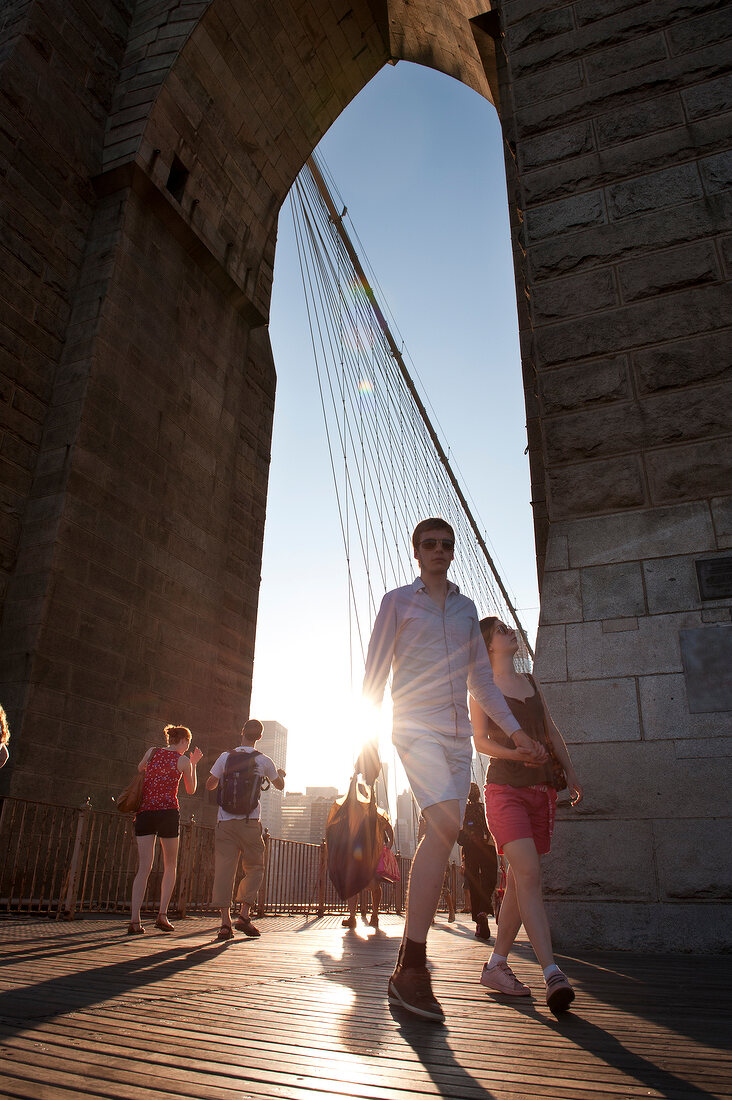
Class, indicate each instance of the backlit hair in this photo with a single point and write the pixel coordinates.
(488, 628)
(252, 730)
(434, 524)
(4, 728)
(175, 734)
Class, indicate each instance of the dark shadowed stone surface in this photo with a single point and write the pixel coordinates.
(707, 656)
(654, 191)
(566, 215)
(596, 486)
(683, 362)
(689, 472)
(579, 294)
(693, 265)
(598, 380)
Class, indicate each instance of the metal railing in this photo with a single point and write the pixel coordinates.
(59, 861)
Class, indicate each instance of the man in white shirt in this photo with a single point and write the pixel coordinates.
(240, 835)
(427, 635)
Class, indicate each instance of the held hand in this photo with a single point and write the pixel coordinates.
(281, 772)
(195, 756)
(531, 751)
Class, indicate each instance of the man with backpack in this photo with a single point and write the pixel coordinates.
(238, 776)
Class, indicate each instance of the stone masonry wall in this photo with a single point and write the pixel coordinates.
(618, 133)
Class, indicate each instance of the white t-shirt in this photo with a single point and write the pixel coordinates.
(265, 767)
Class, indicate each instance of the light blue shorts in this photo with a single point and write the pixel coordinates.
(437, 767)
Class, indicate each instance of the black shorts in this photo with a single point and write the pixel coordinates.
(166, 823)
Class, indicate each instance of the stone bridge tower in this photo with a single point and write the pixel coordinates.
(145, 149)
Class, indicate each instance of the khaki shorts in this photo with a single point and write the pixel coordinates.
(233, 839)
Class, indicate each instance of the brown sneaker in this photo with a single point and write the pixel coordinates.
(559, 993)
(410, 988)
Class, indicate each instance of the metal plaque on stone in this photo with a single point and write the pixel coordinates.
(715, 578)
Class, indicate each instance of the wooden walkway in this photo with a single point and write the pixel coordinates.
(301, 1014)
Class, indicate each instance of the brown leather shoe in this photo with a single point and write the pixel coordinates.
(410, 988)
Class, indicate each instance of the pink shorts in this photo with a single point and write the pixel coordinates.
(518, 813)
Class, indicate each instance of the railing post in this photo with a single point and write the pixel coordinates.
(67, 902)
(399, 888)
(185, 862)
(322, 873)
(264, 888)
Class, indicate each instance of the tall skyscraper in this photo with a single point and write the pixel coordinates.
(273, 742)
(406, 826)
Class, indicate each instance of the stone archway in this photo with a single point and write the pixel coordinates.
(139, 385)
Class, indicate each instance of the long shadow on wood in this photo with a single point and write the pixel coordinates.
(71, 992)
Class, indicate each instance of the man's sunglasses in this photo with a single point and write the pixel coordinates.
(430, 544)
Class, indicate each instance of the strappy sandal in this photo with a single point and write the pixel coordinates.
(164, 924)
(226, 932)
(135, 929)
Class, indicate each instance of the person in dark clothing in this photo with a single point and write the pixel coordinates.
(481, 862)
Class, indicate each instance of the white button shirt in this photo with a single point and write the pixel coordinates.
(436, 657)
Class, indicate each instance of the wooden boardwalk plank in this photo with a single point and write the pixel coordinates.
(301, 1014)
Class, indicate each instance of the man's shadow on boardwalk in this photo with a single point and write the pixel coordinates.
(89, 986)
(365, 1030)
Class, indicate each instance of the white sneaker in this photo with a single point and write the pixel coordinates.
(501, 978)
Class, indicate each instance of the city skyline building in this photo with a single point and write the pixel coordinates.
(273, 743)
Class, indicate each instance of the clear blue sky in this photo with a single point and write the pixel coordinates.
(418, 161)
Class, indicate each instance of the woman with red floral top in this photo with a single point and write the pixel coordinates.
(159, 815)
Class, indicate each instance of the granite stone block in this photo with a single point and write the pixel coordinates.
(618, 241)
(638, 120)
(665, 713)
(595, 710)
(556, 146)
(557, 556)
(537, 28)
(593, 432)
(716, 173)
(652, 648)
(722, 518)
(713, 97)
(574, 869)
(696, 310)
(612, 591)
(671, 585)
(637, 54)
(550, 661)
(693, 265)
(682, 362)
(608, 485)
(628, 780)
(651, 927)
(617, 626)
(706, 653)
(693, 859)
(690, 472)
(716, 615)
(589, 292)
(598, 381)
(692, 34)
(559, 79)
(669, 187)
(566, 215)
(560, 597)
